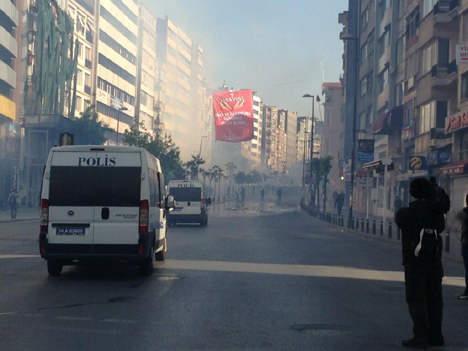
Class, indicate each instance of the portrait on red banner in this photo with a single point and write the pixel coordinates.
(233, 114)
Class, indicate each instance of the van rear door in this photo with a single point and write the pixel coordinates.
(187, 196)
(71, 203)
(117, 204)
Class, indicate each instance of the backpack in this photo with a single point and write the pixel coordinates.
(429, 245)
(440, 199)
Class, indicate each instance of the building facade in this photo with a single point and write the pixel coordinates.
(116, 74)
(332, 132)
(10, 75)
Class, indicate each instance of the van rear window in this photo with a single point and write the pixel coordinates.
(186, 194)
(95, 186)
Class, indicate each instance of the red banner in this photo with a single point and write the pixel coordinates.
(233, 114)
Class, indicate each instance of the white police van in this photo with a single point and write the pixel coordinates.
(190, 205)
(103, 203)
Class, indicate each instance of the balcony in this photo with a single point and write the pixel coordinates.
(8, 42)
(445, 11)
(445, 75)
(8, 14)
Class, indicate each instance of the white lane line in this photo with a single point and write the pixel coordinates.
(70, 318)
(18, 256)
(122, 321)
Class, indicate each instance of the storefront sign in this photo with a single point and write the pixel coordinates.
(462, 54)
(408, 131)
(417, 163)
(365, 150)
(456, 122)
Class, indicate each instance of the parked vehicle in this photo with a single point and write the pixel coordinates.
(103, 203)
(190, 205)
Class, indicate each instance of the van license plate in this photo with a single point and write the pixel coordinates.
(70, 231)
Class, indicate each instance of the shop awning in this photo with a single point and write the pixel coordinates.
(388, 121)
(372, 164)
(458, 167)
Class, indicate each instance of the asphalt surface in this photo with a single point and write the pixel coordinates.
(258, 277)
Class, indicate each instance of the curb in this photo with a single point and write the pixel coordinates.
(377, 236)
(19, 220)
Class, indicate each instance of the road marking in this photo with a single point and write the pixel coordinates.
(298, 270)
(123, 321)
(70, 318)
(18, 256)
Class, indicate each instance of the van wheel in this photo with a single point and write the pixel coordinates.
(161, 255)
(54, 268)
(146, 266)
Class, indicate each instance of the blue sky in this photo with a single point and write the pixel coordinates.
(280, 48)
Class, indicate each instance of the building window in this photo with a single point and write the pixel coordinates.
(401, 49)
(116, 69)
(429, 58)
(464, 86)
(118, 25)
(78, 104)
(432, 115)
(428, 6)
(365, 17)
(87, 80)
(364, 86)
(88, 53)
(114, 45)
(79, 79)
(412, 22)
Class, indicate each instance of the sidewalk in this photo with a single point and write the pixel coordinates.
(23, 214)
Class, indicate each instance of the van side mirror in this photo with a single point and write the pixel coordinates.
(170, 203)
(208, 201)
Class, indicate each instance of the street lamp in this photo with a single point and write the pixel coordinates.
(311, 134)
(350, 37)
(123, 108)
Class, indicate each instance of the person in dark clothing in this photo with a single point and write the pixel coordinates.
(262, 194)
(13, 203)
(423, 276)
(242, 194)
(279, 193)
(339, 203)
(462, 216)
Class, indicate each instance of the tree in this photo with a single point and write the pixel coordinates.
(87, 130)
(193, 165)
(240, 178)
(162, 147)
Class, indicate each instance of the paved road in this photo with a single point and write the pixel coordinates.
(253, 279)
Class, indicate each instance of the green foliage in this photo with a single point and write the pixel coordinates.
(240, 178)
(162, 147)
(88, 130)
(193, 165)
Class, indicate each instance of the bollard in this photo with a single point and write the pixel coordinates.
(367, 225)
(362, 225)
(381, 228)
(389, 230)
(447, 241)
(373, 227)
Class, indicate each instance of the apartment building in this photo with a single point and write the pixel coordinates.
(332, 132)
(146, 71)
(302, 146)
(409, 88)
(116, 75)
(252, 150)
(81, 12)
(10, 45)
(271, 138)
(291, 140)
(183, 80)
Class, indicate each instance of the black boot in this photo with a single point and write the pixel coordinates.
(415, 343)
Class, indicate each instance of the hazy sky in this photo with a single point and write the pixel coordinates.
(282, 49)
